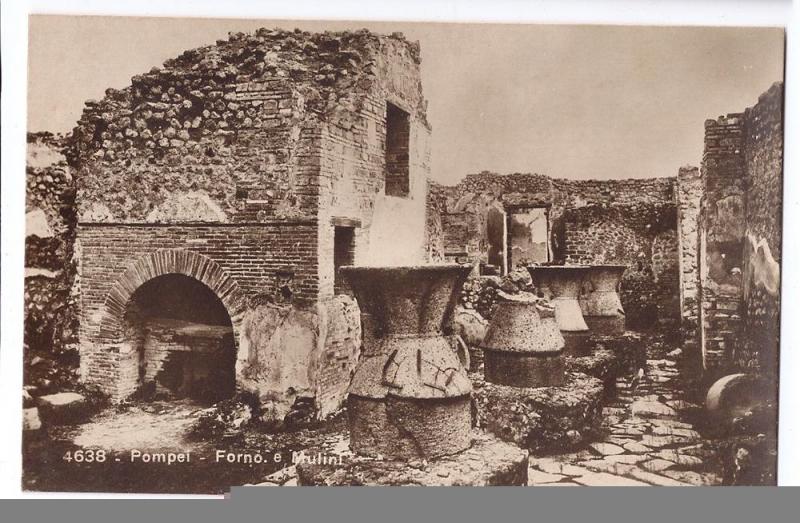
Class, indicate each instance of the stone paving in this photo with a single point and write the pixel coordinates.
(647, 442)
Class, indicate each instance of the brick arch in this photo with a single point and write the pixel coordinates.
(170, 261)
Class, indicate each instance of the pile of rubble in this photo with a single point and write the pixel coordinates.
(50, 320)
(50, 361)
(480, 293)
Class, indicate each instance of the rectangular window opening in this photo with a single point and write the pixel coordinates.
(344, 250)
(398, 131)
(528, 237)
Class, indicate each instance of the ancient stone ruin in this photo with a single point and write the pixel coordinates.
(237, 179)
(254, 223)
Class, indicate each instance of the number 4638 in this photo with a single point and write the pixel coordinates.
(85, 456)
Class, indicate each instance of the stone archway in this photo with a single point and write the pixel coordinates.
(178, 265)
(170, 261)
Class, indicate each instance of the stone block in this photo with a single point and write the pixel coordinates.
(30, 419)
(643, 408)
(543, 419)
(63, 408)
(409, 429)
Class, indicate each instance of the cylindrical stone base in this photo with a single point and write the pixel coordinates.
(606, 325)
(409, 429)
(577, 343)
(524, 369)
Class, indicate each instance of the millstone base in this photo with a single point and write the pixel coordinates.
(487, 462)
(524, 369)
(605, 325)
(629, 349)
(542, 420)
(577, 343)
(602, 364)
(399, 428)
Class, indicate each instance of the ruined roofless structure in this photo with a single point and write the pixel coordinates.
(218, 195)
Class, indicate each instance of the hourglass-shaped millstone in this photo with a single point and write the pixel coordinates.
(563, 283)
(523, 344)
(600, 303)
(410, 395)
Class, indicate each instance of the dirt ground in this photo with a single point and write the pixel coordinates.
(139, 432)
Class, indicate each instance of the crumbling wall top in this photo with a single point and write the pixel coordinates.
(330, 70)
(232, 131)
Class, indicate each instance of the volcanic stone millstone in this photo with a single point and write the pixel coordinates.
(410, 396)
(524, 369)
(406, 429)
(544, 419)
(523, 347)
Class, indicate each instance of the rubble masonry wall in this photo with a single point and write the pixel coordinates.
(762, 242)
(632, 222)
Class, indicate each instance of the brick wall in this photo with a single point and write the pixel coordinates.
(228, 132)
(259, 262)
(739, 239)
(434, 227)
(49, 238)
(50, 330)
(465, 204)
(722, 222)
(390, 228)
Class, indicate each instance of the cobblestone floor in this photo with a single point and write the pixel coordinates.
(648, 439)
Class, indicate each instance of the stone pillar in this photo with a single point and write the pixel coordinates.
(688, 194)
(723, 223)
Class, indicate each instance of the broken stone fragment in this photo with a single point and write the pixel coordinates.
(27, 399)
(543, 419)
(36, 224)
(675, 354)
(732, 395)
(63, 408)
(30, 419)
(470, 325)
(651, 409)
(607, 449)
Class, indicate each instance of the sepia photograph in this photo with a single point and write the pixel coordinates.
(329, 253)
